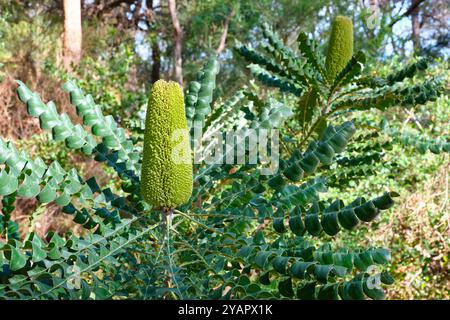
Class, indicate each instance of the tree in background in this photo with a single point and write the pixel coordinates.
(178, 40)
(127, 45)
(72, 33)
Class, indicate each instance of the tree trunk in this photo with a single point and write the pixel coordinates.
(223, 37)
(415, 24)
(156, 55)
(72, 33)
(178, 38)
(156, 66)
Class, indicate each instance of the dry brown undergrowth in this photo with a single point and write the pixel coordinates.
(16, 125)
(418, 234)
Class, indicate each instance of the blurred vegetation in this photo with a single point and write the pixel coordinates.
(127, 45)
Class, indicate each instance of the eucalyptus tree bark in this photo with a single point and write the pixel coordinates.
(72, 33)
(178, 39)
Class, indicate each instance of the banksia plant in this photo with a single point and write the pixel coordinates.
(326, 85)
(166, 179)
(241, 234)
(340, 46)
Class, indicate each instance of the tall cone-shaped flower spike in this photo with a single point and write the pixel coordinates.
(340, 46)
(166, 179)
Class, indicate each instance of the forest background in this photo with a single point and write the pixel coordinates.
(116, 49)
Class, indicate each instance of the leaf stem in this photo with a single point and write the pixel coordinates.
(198, 222)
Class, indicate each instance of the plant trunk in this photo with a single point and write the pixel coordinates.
(178, 39)
(72, 33)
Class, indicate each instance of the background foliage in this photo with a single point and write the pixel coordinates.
(242, 246)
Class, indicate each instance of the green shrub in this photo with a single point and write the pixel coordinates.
(241, 234)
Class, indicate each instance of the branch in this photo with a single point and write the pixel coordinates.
(99, 8)
(408, 12)
(174, 17)
(223, 37)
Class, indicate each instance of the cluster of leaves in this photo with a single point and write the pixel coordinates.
(121, 227)
(111, 87)
(303, 74)
(317, 100)
(419, 142)
(242, 234)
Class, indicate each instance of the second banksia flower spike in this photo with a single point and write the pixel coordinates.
(340, 46)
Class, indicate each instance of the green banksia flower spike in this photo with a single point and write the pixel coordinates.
(166, 179)
(340, 46)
